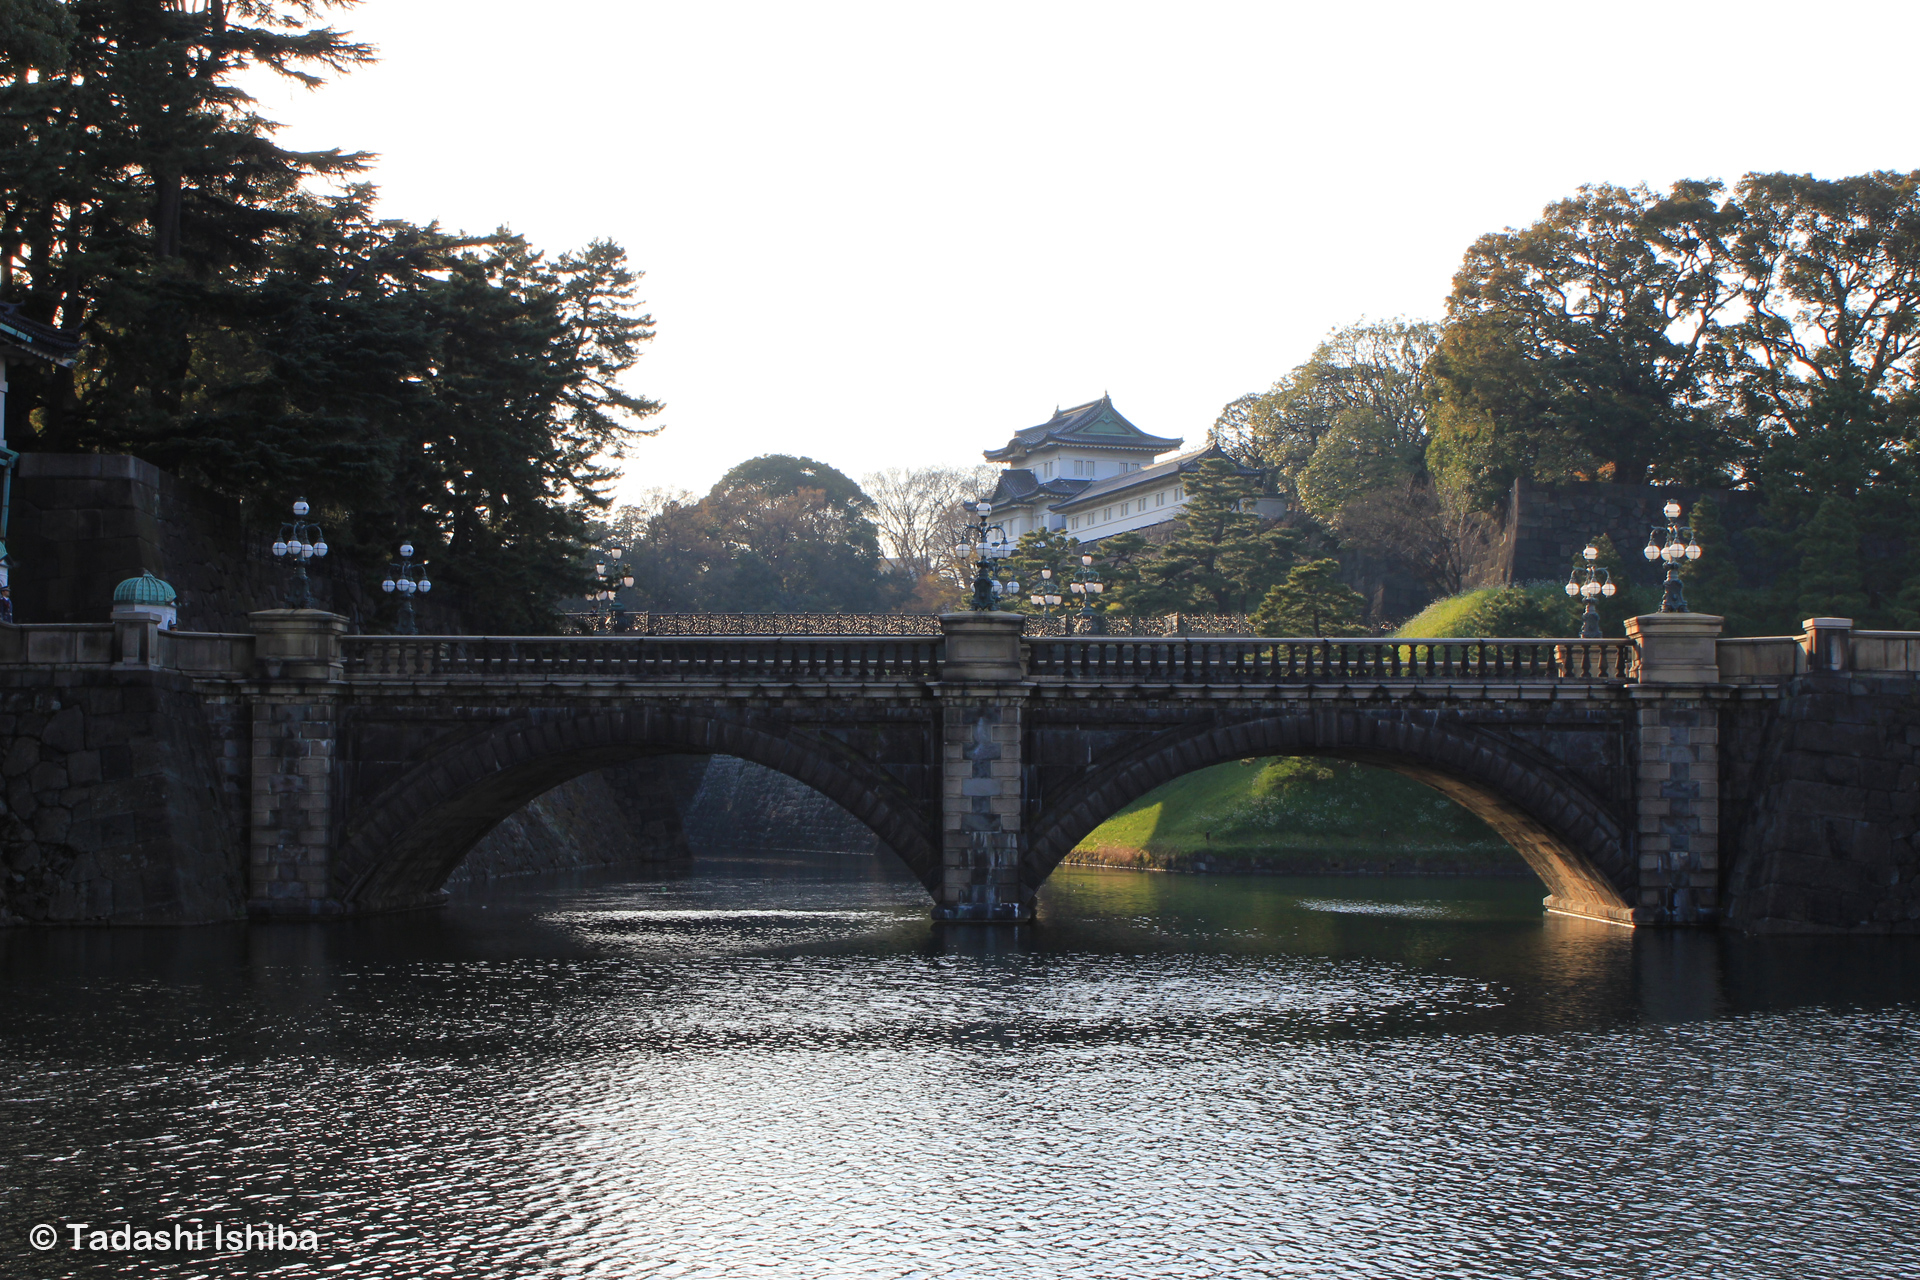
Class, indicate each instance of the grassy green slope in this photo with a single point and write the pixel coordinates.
(1448, 617)
(1327, 811)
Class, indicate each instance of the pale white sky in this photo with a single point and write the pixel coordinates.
(892, 233)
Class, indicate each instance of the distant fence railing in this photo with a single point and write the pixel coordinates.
(1305, 660)
(642, 657)
(755, 624)
(894, 624)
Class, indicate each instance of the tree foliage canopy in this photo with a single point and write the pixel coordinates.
(270, 339)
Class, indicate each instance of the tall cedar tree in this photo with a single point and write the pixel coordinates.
(270, 342)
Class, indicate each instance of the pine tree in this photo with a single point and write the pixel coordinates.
(1223, 560)
(1311, 601)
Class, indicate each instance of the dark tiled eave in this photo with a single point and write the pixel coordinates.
(21, 337)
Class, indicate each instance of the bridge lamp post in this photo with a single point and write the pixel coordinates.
(982, 538)
(1087, 585)
(406, 579)
(1597, 582)
(1048, 596)
(1679, 545)
(299, 542)
(606, 591)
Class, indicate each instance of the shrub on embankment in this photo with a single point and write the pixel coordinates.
(1299, 815)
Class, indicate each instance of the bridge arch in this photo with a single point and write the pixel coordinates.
(399, 851)
(1569, 835)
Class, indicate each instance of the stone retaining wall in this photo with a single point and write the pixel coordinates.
(122, 799)
(742, 807)
(624, 816)
(1825, 808)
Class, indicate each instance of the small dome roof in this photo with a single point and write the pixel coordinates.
(145, 589)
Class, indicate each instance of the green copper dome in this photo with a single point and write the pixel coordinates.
(145, 589)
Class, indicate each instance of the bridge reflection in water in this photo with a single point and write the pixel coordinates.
(789, 1070)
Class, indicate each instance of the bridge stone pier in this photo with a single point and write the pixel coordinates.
(1671, 777)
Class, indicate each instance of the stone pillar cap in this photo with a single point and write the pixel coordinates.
(1827, 624)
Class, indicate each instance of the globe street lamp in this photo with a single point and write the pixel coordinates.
(983, 538)
(302, 541)
(606, 590)
(1087, 586)
(406, 579)
(1679, 545)
(1048, 595)
(1596, 583)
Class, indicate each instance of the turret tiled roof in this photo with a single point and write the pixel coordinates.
(1097, 424)
(1018, 486)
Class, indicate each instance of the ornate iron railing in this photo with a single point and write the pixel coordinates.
(1192, 660)
(641, 658)
(892, 624)
(755, 624)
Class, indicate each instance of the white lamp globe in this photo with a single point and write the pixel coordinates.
(387, 585)
(279, 548)
(406, 549)
(1672, 510)
(1573, 588)
(300, 507)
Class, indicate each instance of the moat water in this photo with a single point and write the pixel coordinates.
(784, 1069)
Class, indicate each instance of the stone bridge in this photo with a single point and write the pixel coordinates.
(1667, 778)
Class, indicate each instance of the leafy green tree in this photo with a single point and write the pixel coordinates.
(1311, 601)
(779, 475)
(1583, 346)
(1350, 420)
(775, 535)
(1825, 359)
(1224, 558)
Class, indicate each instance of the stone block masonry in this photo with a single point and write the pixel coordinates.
(624, 816)
(120, 802)
(981, 843)
(1678, 835)
(291, 823)
(1826, 816)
